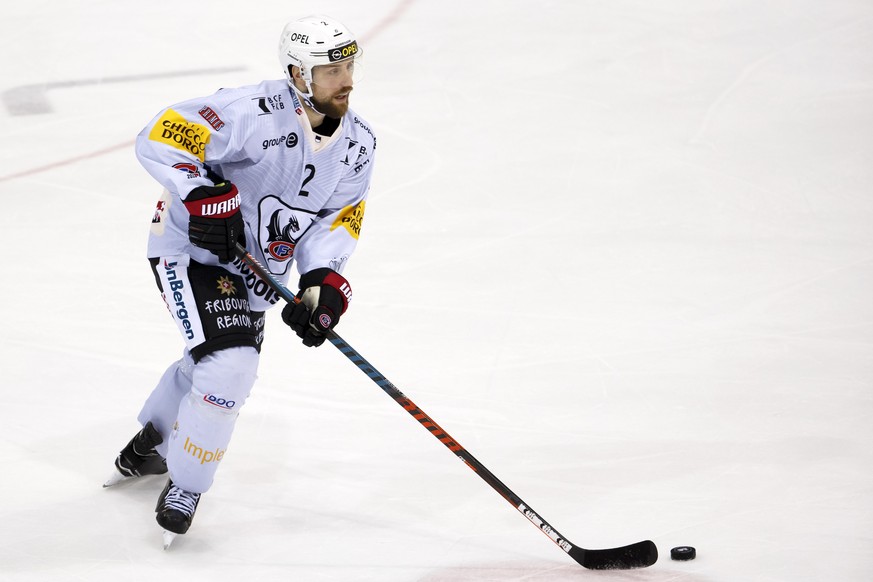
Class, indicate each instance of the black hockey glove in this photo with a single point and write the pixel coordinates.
(216, 223)
(324, 296)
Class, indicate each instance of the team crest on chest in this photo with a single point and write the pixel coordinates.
(280, 227)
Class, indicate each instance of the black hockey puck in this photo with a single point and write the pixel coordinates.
(683, 553)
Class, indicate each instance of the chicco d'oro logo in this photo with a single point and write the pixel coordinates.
(176, 131)
(351, 218)
(343, 52)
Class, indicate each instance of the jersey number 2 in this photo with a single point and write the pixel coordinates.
(310, 169)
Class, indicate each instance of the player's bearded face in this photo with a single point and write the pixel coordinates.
(331, 86)
(331, 102)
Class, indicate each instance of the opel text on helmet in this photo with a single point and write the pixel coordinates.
(313, 41)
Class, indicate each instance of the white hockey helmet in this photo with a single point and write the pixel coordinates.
(312, 41)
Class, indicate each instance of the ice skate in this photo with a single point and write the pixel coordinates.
(139, 457)
(175, 511)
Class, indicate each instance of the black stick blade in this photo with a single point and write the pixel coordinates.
(638, 555)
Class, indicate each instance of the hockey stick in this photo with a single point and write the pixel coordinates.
(638, 555)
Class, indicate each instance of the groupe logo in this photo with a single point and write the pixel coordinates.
(289, 140)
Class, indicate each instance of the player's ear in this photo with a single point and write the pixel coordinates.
(297, 77)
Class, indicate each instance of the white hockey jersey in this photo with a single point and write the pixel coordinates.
(302, 195)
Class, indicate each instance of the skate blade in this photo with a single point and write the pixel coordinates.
(168, 539)
(116, 478)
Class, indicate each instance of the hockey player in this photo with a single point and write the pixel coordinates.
(283, 168)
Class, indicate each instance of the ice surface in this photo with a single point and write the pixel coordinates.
(621, 251)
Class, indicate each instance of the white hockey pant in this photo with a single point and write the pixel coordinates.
(195, 407)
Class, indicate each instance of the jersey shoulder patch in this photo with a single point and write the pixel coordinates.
(351, 218)
(174, 130)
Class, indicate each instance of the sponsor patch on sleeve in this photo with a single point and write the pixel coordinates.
(176, 131)
(351, 218)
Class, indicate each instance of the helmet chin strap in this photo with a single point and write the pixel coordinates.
(306, 97)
